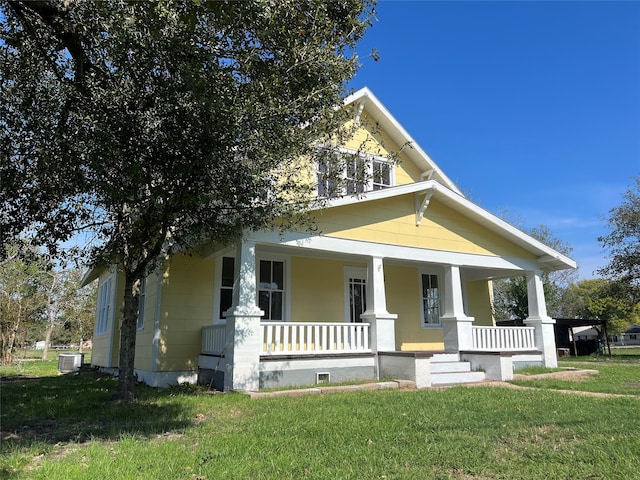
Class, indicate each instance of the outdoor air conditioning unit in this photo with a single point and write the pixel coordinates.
(70, 362)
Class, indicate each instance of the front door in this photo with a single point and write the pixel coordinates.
(355, 293)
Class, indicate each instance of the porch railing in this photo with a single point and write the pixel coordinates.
(213, 338)
(503, 338)
(301, 338)
(296, 338)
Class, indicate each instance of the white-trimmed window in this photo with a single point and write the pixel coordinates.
(104, 306)
(430, 300)
(226, 285)
(358, 173)
(271, 285)
(271, 289)
(141, 302)
(382, 176)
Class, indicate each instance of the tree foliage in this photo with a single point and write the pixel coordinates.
(38, 299)
(511, 295)
(623, 243)
(158, 126)
(600, 299)
(23, 275)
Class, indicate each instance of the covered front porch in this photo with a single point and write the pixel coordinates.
(296, 353)
(245, 352)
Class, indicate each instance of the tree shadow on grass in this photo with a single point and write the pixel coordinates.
(77, 408)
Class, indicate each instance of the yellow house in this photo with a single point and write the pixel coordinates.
(395, 283)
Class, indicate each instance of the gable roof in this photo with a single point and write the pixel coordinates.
(548, 258)
(399, 135)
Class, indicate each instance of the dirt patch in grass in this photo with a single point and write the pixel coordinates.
(569, 375)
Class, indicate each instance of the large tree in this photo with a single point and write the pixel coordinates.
(623, 243)
(157, 126)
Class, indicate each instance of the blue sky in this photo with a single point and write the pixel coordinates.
(531, 108)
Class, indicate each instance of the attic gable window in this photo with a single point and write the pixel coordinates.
(352, 173)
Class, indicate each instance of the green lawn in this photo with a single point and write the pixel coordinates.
(65, 427)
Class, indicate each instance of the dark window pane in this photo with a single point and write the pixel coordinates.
(278, 275)
(265, 274)
(227, 271)
(226, 297)
(276, 306)
(263, 303)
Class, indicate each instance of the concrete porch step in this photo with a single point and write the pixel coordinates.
(456, 378)
(450, 367)
(445, 357)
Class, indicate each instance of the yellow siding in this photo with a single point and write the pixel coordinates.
(318, 289)
(403, 290)
(479, 302)
(392, 221)
(186, 306)
(318, 296)
(369, 139)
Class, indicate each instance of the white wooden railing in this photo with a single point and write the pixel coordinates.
(503, 338)
(213, 338)
(302, 338)
(296, 338)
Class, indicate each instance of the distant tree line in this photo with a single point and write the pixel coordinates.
(613, 297)
(41, 301)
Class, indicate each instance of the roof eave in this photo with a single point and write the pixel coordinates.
(547, 258)
(399, 135)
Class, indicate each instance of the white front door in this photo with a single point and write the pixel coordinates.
(355, 293)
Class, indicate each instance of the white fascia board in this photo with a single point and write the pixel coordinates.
(418, 187)
(89, 276)
(364, 249)
(548, 258)
(393, 128)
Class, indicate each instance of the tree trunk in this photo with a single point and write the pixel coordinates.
(126, 378)
(47, 341)
(7, 353)
(52, 314)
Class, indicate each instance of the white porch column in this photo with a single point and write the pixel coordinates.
(243, 345)
(538, 318)
(383, 328)
(456, 325)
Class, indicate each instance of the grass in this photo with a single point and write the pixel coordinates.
(29, 363)
(64, 427)
(618, 374)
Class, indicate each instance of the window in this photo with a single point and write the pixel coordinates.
(381, 174)
(356, 175)
(327, 180)
(141, 300)
(226, 285)
(352, 174)
(357, 299)
(430, 300)
(271, 289)
(104, 306)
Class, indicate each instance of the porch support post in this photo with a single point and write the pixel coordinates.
(383, 329)
(456, 325)
(243, 336)
(538, 318)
